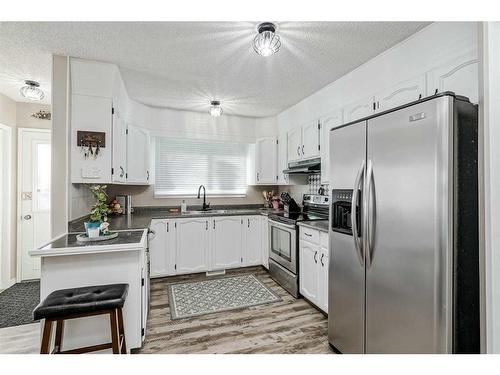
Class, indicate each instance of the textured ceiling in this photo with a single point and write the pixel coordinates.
(184, 65)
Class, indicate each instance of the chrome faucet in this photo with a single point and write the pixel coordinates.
(205, 205)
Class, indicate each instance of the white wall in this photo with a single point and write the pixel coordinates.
(490, 198)
(423, 51)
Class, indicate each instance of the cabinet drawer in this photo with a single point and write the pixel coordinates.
(323, 239)
(309, 235)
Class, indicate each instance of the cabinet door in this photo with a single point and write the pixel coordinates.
(158, 248)
(323, 280)
(171, 256)
(192, 245)
(310, 140)
(119, 147)
(294, 144)
(359, 109)
(266, 160)
(226, 242)
(283, 178)
(402, 93)
(327, 122)
(264, 229)
(308, 270)
(459, 76)
(138, 155)
(252, 242)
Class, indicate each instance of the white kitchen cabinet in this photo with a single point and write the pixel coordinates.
(294, 141)
(192, 245)
(313, 266)
(138, 159)
(119, 147)
(459, 75)
(308, 270)
(359, 109)
(310, 140)
(252, 242)
(264, 230)
(226, 242)
(266, 155)
(402, 93)
(162, 248)
(327, 122)
(283, 178)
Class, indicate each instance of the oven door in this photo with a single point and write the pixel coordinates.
(283, 245)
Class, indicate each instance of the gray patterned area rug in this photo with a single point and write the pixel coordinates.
(17, 303)
(210, 296)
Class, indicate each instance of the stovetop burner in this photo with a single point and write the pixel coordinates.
(315, 208)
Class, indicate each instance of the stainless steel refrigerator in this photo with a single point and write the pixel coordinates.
(404, 268)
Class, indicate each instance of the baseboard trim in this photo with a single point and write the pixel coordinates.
(8, 285)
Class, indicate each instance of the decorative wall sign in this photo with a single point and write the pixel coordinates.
(42, 115)
(90, 143)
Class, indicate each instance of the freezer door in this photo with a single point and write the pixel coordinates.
(346, 275)
(408, 238)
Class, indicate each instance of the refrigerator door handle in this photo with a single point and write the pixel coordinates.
(371, 213)
(354, 214)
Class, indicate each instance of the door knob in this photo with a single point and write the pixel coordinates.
(27, 217)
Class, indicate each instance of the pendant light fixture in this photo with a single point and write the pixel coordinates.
(215, 108)
(266, 42)
(32, 91)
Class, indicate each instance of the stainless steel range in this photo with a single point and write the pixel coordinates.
(283, 238)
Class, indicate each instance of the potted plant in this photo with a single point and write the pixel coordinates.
(99, 211)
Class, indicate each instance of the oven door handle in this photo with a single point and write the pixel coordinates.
(279, 224)
(354, 214)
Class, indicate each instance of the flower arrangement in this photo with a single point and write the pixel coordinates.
(99, 211)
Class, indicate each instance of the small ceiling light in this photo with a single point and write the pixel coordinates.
(266, 42)
(215, 108)
(32, 91)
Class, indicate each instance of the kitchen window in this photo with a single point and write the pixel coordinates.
(181, 165)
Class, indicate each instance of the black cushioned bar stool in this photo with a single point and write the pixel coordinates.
(82, 302)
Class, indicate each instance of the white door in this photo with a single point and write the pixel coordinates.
(33, 197)
(402, 93)
(266, 151)
(226, 242)
(252, 254)
(119, 147)
(138, 169)
(308, 270)
(283, 178)
(295, 144)
(358, 110)
(158, 248)
(459, 76)
(310, 140)
(192, 245)
(327, 122)
(323, 280)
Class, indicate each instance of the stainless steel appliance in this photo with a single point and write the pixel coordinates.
(283, 239)
(404, 268)
(304, 166)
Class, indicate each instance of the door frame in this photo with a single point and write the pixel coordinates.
(6, 227)
(20, 133)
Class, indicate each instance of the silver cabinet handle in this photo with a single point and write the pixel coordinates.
(308, 234)
(321, 260)
(148, 175)
(371, 213)
(354, 216)
(167, 226)
(248, 223)
(214, 224)
(27, 217)
(257, 176)
(315, 254)
(302, 150)
(122, 173)
(206, 224)
(298, 150)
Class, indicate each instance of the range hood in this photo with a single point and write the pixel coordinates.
(304, 166)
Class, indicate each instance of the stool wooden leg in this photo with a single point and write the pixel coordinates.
(121, 331)
(114, 332)
(47, 328)
(59, 334)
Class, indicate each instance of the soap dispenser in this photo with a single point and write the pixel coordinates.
(183, 206)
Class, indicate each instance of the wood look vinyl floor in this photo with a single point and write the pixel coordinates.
(290, 326)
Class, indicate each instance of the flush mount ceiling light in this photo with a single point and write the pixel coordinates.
(32, 91)
(266, 42)
(215, 108)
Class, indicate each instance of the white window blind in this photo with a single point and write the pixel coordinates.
(182, 165)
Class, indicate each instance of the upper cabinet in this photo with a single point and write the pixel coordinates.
(303, 142)
(359, 109)
(283, 178)
(327, 122)
(402, 93)
(119, 170)
(266, 157)
(459, 75)
(138, 169)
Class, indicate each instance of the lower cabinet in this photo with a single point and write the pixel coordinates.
(313, 268)
(190, 245)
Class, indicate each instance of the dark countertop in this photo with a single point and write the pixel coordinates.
(142, 216)
(321, 225)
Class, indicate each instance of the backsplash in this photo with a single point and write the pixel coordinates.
(314, 181)
(297, 191)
